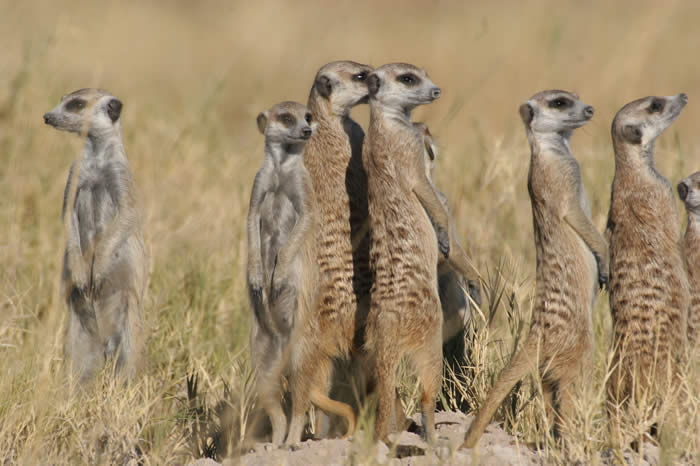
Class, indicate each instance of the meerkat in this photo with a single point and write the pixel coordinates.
(105, 272)
(333, 158)
(452, 284)
(281, 250)
(689, 192)
(404, 317)
(572, 262)
(649, 292)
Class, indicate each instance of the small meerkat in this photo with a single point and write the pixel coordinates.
(281, 252)
(404, 317)
(649, 292)
(334, 160)
(105, 268)
(689, 192)
(572, 262)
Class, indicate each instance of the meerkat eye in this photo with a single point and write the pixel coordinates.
(656, 105)
(308, 118)
(560, 102)
(75, 105)
(408, 79)
(360, 76)
(287, 119)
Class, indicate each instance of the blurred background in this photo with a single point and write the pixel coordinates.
(194, 75)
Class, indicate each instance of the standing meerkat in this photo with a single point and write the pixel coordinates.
(572, 261)
(404, 316)
(334, 160)
(649, 292)
(281, 275)
(105, 265)
(453, 281)
(689, 192)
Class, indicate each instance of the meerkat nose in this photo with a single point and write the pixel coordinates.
(435, 92)
(684, 97)
(306, 133)
(588, 111)
(47, 118)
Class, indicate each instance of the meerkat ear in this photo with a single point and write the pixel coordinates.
(526, 113)
(632, 134)
(324, 86)
(374, 82)
(114, 109)
(262, 122)
(682, 191)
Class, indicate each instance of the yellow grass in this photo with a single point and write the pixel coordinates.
(193, 76)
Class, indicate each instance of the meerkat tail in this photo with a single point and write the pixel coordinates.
(321, 401)
(518, 367)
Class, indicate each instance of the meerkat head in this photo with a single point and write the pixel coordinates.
(689, 192)
(91, 112)
(555, 112)
(287, 123)
(401, 87)
(639, 123)
(342, 84)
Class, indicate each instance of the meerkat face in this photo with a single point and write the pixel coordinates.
(287, 123)
(555, 111)
(689, 192)
(402, 86)
(343, 84)
(642, 121)
(86, 111)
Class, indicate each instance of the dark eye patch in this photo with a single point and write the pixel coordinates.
(75, 105)
(409, 79)
(308, 118)
(287, 119)
(657, 105)
(362, 76)
(561, 103)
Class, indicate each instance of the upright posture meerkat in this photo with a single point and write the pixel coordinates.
(281, 251)
(572, 261)
(453, 281)
(105, 266)
(404, 316)
(689, 192)
(334, 160)
(648, 283)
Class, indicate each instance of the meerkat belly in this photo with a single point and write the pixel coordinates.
(403, 252)
(278, 218)
(646, 310)
(565, 282)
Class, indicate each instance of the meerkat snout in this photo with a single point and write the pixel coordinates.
(306, 133)
(435, 92)
(588, 111)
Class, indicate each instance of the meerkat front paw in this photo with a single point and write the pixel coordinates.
(603, 274)
(443, 238)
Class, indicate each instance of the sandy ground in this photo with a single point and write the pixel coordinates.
(496, 447)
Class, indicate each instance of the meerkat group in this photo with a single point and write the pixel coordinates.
(353, 253)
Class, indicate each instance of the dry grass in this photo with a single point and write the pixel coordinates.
(193, 76)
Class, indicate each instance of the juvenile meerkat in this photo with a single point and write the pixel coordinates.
(649, 292)
(689, 192)
(334, 160)
(572, 261)
(404, 316)
(105, 265)
(281, 251)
